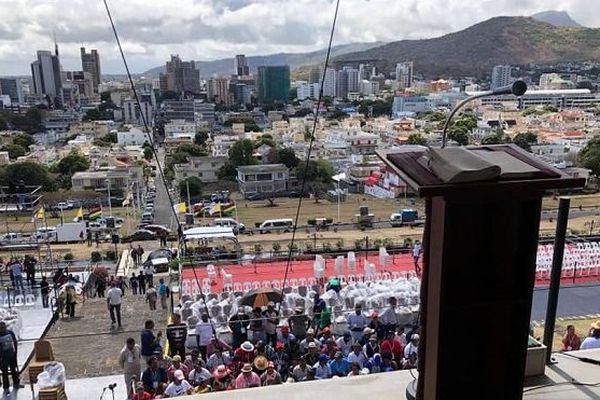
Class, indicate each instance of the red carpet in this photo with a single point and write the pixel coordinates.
(272, 274)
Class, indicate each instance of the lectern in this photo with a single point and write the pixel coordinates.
(480, 246)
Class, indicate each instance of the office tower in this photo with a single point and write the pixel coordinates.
(83, 80)
(273, 83)
(218, 91)
(404, 74)
(241, 93)
(314, 75)
(46, 74)
(352, 79)
(501, 76)
(241, 65)
(90, 63)
(11, 88)
(330, 83)
(181, 76)
(341, 84)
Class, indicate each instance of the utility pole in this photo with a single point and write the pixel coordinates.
(107, 181)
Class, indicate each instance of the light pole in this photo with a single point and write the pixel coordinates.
(338, 202)
(107, 181)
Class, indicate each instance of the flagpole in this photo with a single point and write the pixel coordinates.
(47, 238)
(236, 212)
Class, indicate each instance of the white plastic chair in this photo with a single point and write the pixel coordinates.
(19, 300)
(29, 300)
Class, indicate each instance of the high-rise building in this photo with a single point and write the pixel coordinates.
(46, 74)
(241, 65)
(83, 80)
(353, 79)
(330, 83)
(11, 88)
(90, 63)
(341, 84)
(181, 76)
(273, 83)
(404, 74)
(241, 93)
(218, 91)
(314, 75)
(501, 76)
(133, 115)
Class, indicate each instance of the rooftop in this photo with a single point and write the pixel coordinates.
(262, 168)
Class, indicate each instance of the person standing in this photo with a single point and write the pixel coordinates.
(113, 301)
(16, 270)
(70, 300)
(8, 358)
(151, 297)
(163, 293)
(29, 264)
(357, 322)
(177, 336)
(100, 286)
(416, 253)
(142, 282)
(272, 320)
(149, 272)
(45, 290)
(150, 342)
(133, 283)
(139, 253)
(204, 333)
(130, 362)
(238, 324)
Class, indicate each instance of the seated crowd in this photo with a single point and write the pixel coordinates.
(266, 350)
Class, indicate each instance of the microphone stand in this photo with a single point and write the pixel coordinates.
(103, 390)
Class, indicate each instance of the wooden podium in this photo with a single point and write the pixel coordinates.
(480, 246)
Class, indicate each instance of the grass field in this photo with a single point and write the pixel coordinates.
(582, 327)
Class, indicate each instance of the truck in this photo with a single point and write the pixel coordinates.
(406, 217)
(70, 232)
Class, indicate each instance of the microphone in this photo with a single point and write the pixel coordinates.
(112, 386)
(518, 88)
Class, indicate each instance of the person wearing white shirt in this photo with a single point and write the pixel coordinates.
(179, 386)
(357, 322)
(410, 352)
(592, 341)
(217, 358)
(357, 355)
(113, 302)
(345, 343)
(198, 374)
(204, 333)
(388, 315)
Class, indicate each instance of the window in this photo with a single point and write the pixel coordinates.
(214, 164)
(200, 174)
(280, 175)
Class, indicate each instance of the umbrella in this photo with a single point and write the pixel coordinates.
(260, 297)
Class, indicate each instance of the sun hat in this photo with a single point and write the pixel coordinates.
(177, 358)
(416, 336)
(260, 362)
(310, 331)
(221, 372)
(596, 325)
(179, 374)
(299, 309)
(312, 345)
(247, 347)
(367, 331)
(247, 368)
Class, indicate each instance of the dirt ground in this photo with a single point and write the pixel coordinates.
(87, 345)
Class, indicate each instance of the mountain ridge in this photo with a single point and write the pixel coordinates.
(557, 18)
(475, 50)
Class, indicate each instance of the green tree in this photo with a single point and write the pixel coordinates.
(73, 162)
(316, 171)
(287, 156)
(416, 138)
(265, 139)
(525, 140)
(459, 135)
(589, 156)
(191, 149)
(195, 185)
(148, 154)
(30, 172)
(201, 137)
(241, 152)
(23, 139)
(14, 150)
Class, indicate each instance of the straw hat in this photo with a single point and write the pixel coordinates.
(261, 362)
(247, 347)
(247, 368)
(596, 325)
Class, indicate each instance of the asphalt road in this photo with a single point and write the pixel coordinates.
(573, 301)
(163, 213)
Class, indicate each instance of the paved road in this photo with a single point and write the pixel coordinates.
(163, 214)
(572, 301)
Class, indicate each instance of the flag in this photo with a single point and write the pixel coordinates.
(180, 208)
(230, 210)
(95, 213)
(216, 208)
(79, 215)
(40, 213)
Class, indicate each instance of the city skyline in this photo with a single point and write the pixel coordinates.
(209, 29)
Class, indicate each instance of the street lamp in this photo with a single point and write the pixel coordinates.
(107, 181)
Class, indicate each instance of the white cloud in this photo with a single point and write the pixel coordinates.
(207, 29)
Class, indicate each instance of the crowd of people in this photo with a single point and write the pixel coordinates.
(265, 350)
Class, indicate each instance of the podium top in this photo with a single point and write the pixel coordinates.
(518, 171)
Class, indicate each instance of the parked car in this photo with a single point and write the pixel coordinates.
(255, 196)
(238, 227)
(274, 225)
(159, 259)
(158, 229)
(64, 206)
(141, 234)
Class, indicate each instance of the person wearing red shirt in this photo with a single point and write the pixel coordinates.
(140, 394)
(392, 346)
(176, 364)
(570, 341)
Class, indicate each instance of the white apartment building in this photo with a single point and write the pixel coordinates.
(404, 74)
(132, 137)
(329, 84)
(179, 128)
(501, 76)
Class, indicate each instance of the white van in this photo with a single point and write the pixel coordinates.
(237, 227)
(273, 225)
(46, 233)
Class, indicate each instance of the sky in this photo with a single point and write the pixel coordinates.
(151, 30)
